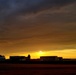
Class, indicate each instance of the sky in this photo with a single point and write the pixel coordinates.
(34, 26)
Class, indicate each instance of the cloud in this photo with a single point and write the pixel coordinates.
(37, 24)
(12, 7)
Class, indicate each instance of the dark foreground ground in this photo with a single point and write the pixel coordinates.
(37, 69)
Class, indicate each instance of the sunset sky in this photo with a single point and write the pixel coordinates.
(38, 28)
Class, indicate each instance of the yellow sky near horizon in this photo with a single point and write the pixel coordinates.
(67, 53)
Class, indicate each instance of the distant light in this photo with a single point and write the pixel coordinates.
(41, 53)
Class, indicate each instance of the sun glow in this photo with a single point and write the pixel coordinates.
(66, 53)
(40, 53)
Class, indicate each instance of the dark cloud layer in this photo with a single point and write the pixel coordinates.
(37, 24)
(10, 7)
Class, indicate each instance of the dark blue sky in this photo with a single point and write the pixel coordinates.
(28, 25)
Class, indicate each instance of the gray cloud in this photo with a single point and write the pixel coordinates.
(10, 7)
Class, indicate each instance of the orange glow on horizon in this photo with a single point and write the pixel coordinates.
(61, 53)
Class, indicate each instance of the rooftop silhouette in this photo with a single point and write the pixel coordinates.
(42, 59)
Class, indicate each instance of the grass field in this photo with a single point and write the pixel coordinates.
(37, 69)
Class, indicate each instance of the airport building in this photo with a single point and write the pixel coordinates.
(2, 58)
(50, 58)
(20, 58)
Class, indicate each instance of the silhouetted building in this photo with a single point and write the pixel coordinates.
(29, 57)
(2, 58)
(50, 58)
(19, 58)
(60, 58)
